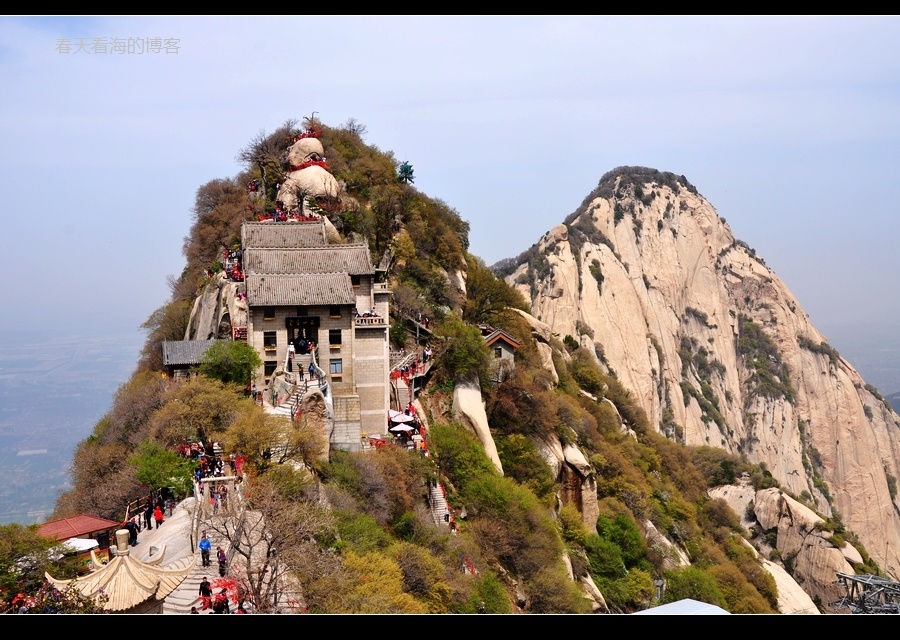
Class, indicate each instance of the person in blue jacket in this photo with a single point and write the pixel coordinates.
(205, 547)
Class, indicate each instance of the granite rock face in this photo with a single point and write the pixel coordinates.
(715, 346)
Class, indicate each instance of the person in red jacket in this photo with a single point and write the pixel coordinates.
(158, 516)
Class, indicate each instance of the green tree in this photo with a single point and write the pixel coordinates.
(487, 297)
(230, 361)
(157, 467)
(465, 356)
(198, 409)
(24, 557)
(268, 440)
(405, 173)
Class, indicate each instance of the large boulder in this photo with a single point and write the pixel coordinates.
(468, 410)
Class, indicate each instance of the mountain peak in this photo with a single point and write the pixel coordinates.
(715, 347)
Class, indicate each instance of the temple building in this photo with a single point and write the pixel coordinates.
(313, 301)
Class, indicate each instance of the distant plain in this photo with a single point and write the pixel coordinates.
(53, 390)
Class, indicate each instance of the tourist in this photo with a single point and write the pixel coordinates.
(223, 560)
(148, 516)
(158, 516)
(205, 593)
(132, 532)
(221, 603)
(205, 547)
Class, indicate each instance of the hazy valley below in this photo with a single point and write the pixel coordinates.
(53, 389)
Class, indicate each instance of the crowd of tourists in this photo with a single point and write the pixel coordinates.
(285, 214)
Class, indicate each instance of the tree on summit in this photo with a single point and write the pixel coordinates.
(405, 173)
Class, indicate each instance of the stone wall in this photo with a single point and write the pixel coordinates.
(347, 433)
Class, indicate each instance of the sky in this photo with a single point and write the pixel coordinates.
(788, 126)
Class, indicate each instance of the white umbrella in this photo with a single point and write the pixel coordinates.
(401, 427)
(396, 416)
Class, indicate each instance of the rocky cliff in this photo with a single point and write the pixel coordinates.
(715, 347)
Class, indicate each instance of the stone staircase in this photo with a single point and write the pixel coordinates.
(187, 594)
(439, 506)
(301, 381)
(403, 394)
(287, 406)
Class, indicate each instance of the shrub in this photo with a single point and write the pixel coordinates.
(523, 462)
(596, 271)
(230, 361)
(459, 454)
(550, 591)
(740, 596)
(604, 557)
(631, 592)
(374, 585)
(423, 576)
(465, 355)
(822, 348)
(695, 583)
(488, 596)
(573, 527)
(770, 376)
(360, 532)
(624, 532)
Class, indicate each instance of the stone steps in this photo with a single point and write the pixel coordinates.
(187, 594)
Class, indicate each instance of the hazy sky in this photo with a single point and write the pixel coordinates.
(789, 126)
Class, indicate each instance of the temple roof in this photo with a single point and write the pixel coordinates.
(283, 235)
(278, 290)
(493, 334)
(128, 582)
(346, 258)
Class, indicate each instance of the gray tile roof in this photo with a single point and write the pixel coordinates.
(278, 290)
(182, 352)
(283, 234)
(342, 258)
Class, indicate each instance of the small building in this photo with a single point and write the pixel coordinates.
(503, 351)
(180, 356)
(83, 527)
